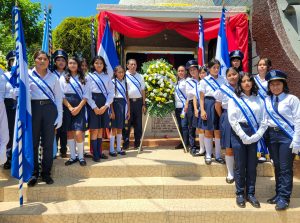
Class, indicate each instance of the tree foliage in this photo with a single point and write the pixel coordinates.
(33, 28)
(74, 36)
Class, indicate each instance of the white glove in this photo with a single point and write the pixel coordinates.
(58, 122)
(245, 139)
(254, 138)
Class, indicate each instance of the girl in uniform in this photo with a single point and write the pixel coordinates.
(84, 66)
(180, 99)
(10, 104)
(246, 117)
(236, 59)
(191, 89)
(102, 95)
(210, 118)
(120, 110)
(283, 134)
(76, 93)
(222, 96)
(46, 104)
(197, 109)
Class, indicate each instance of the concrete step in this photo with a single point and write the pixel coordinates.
(147, 210)
(134, 188)
(150, 163)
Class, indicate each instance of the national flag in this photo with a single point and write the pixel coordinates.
(108, 51)
(22, 153)
(201, 50)
(222, 46)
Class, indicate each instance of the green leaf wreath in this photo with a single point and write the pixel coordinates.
(160, 81)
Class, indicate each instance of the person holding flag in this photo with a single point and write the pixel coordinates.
(10, 102)
(46, 102)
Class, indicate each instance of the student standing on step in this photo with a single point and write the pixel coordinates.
(46, 104)
(180, 113)
(102, 94)
(4, 136)
(222, 96)
(247, 119)
(120, 110)
(283, 134)
(10, 104)
(136, 93)
(210, 118)
(84, 66)
(60, 58)
(197, 110)
(191, 91)
(76, 93)
(263, 66)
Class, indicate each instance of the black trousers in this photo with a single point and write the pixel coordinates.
(10, 106)
(61, 135)
(44, 113)
(178, 119)
(136, 119)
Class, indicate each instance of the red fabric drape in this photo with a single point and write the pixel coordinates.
(237, 29)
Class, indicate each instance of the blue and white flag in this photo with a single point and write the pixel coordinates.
(108, 51)
(222, 46)
(22, 153)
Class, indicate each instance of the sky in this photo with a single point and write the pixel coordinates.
(62, 9)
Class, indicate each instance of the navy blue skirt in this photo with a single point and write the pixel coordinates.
(119, 105)
(225, 129)
(98, 121)
(70, 122)
(212, 122)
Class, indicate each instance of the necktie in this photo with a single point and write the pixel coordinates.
(276, 103)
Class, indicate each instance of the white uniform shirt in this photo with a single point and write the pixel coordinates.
(117, 93)
(9, 90)
(262, 83)
(67, 88)
(289, 108)
(191, 88)
(107, 89)
(221, 97)
(2, 86)
(206, 89)
(179, 90)
(235, 115)
(133, 91)
(58, 74)
(53, 83)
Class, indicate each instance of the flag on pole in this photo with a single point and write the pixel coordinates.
(93, 40)
(45, 44)
(108, 51)
(50, 30)
(22, 153)
(201, 51)
(222, 46)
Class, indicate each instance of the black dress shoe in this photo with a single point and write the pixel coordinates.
(103, 156)
(220, 160)
(273, 200)
(63, 155)
(179, 146)
(70, 162)
(82, 162)
(240, 201)
(32, 181)
(7, 165)
(97, 160)
(229, 180)
(47, 179)
(207, 160)
(281, 205)
(113, 154)
(253, 201)
(122, 153)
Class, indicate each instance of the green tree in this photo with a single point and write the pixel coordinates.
(74, 36)
(33, 28)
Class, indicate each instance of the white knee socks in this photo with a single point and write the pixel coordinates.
(230, 165)
(201, 143)
(72, 145)
(80, 150)
(218, 148)
(112, 144)
(208, 146)
(119, 139)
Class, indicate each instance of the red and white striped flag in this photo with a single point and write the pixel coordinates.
(201, 51)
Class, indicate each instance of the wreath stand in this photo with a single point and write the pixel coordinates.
(145, 126)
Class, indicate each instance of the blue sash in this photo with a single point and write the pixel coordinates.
(57, 74)
(8, 80)
(76, 87)
(261, 90)
(97, 83)
(129, 76)
(280, 121)
(228, 90)
(122, 91)
(251, 120)
(43, 86)
(212, 83)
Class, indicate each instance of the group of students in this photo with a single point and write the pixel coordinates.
(247, 115)
(68, 100)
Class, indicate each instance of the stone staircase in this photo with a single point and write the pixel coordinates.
(159, 185)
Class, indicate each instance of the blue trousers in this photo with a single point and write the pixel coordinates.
(281, 154)
(192, 123)
(245, 158)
